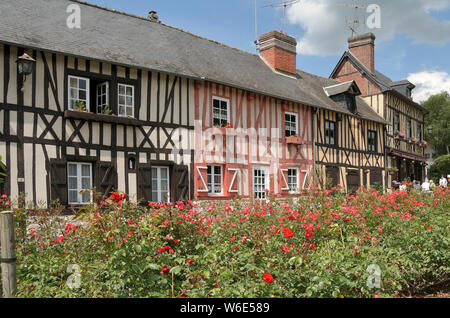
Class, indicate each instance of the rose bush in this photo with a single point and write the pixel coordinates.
(321, 245)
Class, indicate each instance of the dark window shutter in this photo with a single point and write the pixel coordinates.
(106, 178)
(333, 174)
(180, 183)
(144, 180)
(58, 181)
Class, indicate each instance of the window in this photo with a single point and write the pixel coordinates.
(396, 123)
(290, 123)
(221, 114)
(408, 129)
(126, 100)
(260, 182)
(160, 184)
(330, 132)
(79, 180)
(293, 180)
(78, 93)
(372, 141)
(102, 97)
(419, 132)
(214, 180)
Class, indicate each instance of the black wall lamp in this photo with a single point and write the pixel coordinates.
(25, 66)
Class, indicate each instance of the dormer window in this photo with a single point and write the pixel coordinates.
(344, 94)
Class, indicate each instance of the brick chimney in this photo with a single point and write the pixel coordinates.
(363, 48)
(279, 50)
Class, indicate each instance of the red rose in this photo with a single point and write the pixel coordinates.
(288, 233)
(268, 278)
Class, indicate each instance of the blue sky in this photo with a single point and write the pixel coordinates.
(403, 48)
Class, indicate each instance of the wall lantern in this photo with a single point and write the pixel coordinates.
(132, 164)
(25, 66)
(430, 130)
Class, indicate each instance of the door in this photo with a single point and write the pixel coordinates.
(260, 182)
(332, 176)
(353, 181)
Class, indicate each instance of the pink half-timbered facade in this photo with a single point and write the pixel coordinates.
(267, 144)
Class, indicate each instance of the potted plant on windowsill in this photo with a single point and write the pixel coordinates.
(399, 135)
(80, 106)
(295, 140)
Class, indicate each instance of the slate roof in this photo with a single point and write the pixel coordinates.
(123, 39)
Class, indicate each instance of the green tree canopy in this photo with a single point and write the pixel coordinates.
(439, 119)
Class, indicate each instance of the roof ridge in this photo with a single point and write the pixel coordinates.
(161, 23)
(315, 75)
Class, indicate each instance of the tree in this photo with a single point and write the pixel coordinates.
(443, 164)
(439, 119)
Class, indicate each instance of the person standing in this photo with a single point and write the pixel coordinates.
(426, 186)
(443, 182)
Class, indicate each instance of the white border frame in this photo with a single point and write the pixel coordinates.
(159, 182)
(88, 91)
(296, 122)
(79, 182)
(228, 108)
(126, 106)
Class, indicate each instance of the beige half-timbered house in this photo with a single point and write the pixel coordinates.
(405, 145)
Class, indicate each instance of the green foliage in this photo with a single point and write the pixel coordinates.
(320, 246)
(2, 171)
(80, 105)
(443, 164)
(434, 173)
(439, 119)
(106, 110)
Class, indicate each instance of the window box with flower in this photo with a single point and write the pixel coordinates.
(399, 135)
(295, 140)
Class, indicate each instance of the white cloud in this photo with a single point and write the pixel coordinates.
(429, 83)
(326, 33)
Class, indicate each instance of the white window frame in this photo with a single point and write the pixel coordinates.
(266, 181)
(124, 105)
(213, 184)
(220, 99)
(87, 101)
(100, 111)
(158, 180)
(296, 122)
(79, 182)
(297, 186)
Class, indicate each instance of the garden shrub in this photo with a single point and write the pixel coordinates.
(319, 245)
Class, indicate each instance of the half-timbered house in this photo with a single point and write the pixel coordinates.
(120, 102)
(393, 101)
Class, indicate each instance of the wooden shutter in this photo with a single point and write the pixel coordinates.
(180, 183)
(144, 180)
(106, 178)
(58, 181)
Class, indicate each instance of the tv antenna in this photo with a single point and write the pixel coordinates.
(353, 25)
(283, 5)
